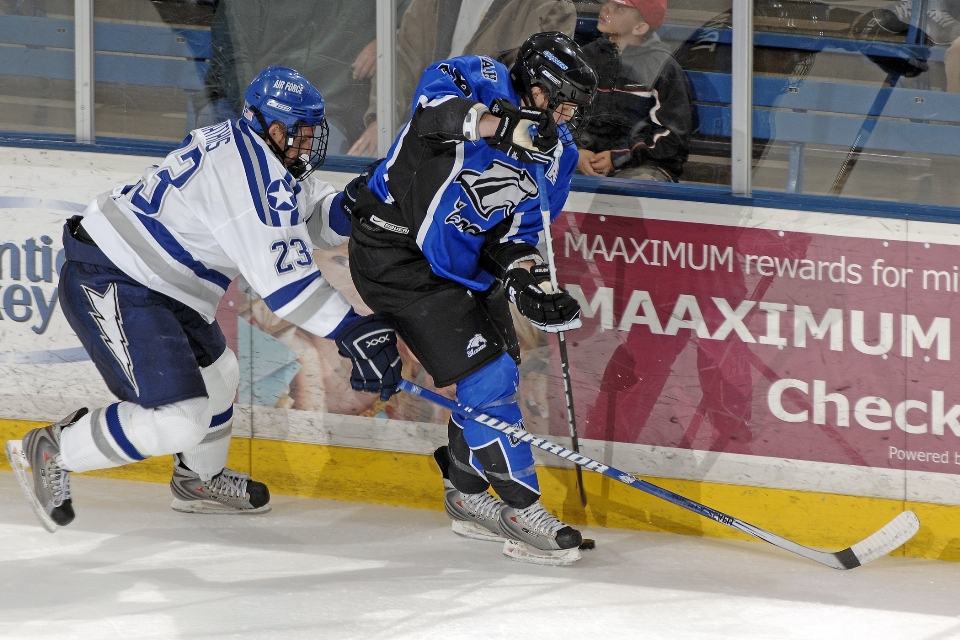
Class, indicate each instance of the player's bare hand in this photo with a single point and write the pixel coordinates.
(366, 144)
(365, 66)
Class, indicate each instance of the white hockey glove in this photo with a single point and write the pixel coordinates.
(547, 310)
(371, 344)
(514, 137)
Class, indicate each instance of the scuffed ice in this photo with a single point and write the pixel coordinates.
(129, 567)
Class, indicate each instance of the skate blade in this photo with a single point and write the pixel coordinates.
(522, 552)
(474, 531)
(210, 507)
(14, 451)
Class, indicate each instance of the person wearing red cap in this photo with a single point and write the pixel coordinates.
(640, 123)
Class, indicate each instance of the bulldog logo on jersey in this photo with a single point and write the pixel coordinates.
(500, 188)
(461, 223)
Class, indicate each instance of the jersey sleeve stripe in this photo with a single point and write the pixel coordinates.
(255, 166)
(166, 240)
(345, 322)
(284, 295)
(153, 259)
(427, 223)
(296, 188)
(311, 305)
(263, 180)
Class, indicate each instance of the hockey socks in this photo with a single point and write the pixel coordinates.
(125, 432)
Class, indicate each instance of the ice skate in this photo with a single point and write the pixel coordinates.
(47, 489)
(475, 515)
(228, 492)
(535, 536)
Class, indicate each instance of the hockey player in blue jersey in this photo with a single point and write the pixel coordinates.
(146, 267)
(445, 231)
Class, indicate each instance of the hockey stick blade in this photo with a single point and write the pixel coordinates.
(892, 535)
(896, 532)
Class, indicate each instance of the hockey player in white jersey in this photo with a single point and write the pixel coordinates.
(146, 267)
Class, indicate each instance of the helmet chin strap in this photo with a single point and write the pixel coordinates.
(299, 166)
(265, 134)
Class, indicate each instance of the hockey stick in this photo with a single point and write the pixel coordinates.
(863, 135)
(894, 534)
(564, 360)
(914, 36)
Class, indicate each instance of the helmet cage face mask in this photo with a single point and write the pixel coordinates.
(560, 91)
(313, 148)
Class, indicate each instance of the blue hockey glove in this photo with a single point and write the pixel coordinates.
(371, 344)
(550, 312)
(513, 136)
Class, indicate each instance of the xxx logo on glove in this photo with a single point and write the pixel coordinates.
(382, 339)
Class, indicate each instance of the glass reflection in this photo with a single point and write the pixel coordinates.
(36, 78)
(433, 30)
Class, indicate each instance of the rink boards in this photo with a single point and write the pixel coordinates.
(791, 368)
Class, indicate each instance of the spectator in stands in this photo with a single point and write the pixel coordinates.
(939, 27)
(433, 30)
(330, 42)
(640, 123)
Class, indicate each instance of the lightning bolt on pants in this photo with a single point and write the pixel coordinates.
(148, 348)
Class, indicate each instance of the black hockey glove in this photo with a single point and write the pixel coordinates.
(349, 200)
(513, 135)
(371, 344)
(550, 312)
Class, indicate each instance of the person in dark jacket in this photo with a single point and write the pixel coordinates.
(640, 122)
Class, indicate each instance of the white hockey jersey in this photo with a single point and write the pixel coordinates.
(221, 205)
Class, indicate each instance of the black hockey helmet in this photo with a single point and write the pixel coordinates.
(554, 62)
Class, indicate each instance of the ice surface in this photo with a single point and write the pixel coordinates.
(130, 567)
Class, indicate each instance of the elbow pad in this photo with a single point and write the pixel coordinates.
(456, 120)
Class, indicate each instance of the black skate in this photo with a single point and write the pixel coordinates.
(47, 489)
(228, 492)
(535, 536)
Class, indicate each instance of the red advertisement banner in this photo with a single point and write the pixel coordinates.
(773, 343)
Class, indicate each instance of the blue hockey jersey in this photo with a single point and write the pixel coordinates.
(455, 193)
